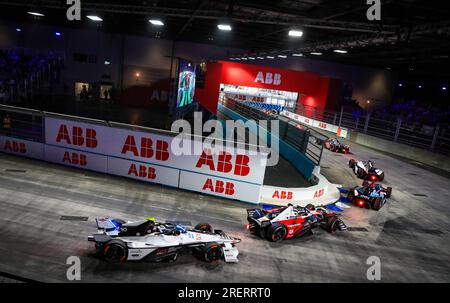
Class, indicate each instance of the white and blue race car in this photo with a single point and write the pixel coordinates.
(369, 195)
(118, 241)
(366, 170)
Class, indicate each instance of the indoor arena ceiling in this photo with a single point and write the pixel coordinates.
(411, 35)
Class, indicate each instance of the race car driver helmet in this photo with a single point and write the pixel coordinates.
(369, 163)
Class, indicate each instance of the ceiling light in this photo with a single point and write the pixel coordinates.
(95, 18)
(295, 33)
(282, 56)
(57, 34)
(419, 86)
(260, 58)
(316, 54)
(270, 57)
(36, 14)
(18, 30)
(297, 55)
(444, 87)
(340, 51)
(244, 58)
(224, 27)
(252, 58)
(156, 22)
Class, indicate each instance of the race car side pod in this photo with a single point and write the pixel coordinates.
(269, 206)
(334, 208)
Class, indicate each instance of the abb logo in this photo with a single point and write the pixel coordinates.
(258, 99)
(146, 150)
(269, 78)
(322, 125)
(240, 97)
(77, 136)
(319, 193)
(224, 164)
(16, 147)
(142, 172)
(74, 158)
(220, 187)
(288, 195)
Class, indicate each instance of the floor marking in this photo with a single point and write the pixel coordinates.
(361, 229)
(74, 218)
(15, 170)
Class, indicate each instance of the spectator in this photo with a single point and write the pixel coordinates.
(7, 125)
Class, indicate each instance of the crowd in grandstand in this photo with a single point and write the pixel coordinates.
(21, 73)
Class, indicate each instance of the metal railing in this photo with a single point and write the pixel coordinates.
(304, 139)
(393, 128)
(29, 124)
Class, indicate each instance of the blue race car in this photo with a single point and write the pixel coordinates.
(370, 195)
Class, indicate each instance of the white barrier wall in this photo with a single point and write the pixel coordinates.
(322, 193)
(76, 158)
(151, 157)
(143, 171)
(339, 131)
(225, 188)
(23, 148)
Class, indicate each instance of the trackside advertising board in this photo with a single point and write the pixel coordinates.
(339, 131)
(225, 188)
(142, 171)
(23, 148)
(76, 158)
(152, 157)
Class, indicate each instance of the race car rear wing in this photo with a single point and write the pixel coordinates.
(255, 213)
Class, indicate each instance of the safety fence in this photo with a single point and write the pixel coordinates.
(232, 171)
(299, 136)
(434, 138)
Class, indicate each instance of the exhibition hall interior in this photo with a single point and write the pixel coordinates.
(224, 141)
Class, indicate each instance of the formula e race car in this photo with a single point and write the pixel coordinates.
(118, 241)
(369, 195)
(366, 170)
(291, 221)
(335, 146)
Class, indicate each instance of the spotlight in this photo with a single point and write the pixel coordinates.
(295, 33)
(95, 18)
(224, 27)
(156, 22)
(36, 14)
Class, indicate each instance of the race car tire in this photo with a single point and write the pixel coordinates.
(310, 206)
(333, 148)
(332, 224)
(115, 251)
(388, 192)
(350, 196)
(361, 173)
(351, 163)
(381, 177)
(204, 227)
(276, 232)
(212, 252)
(377, 204)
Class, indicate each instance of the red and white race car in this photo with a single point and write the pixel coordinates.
(291, 221)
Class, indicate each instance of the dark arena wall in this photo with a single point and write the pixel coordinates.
(116, 59)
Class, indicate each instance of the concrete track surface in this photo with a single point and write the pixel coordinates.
(410, 234)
